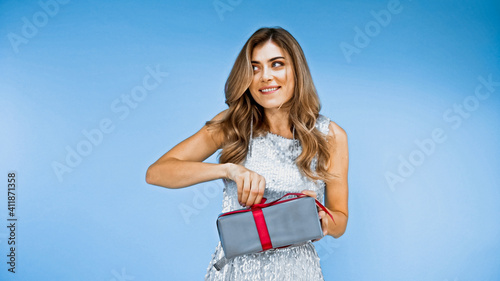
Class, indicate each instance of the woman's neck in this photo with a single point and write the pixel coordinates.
(278, 121)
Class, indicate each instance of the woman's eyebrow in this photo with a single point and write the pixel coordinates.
(272, 59)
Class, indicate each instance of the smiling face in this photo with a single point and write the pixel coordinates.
(273, 80)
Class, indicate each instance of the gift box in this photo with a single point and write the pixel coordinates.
(264, 226)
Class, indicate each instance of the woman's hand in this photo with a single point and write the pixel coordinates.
(322, 214)
(250, 185)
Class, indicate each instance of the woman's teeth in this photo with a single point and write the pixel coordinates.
(269, 90)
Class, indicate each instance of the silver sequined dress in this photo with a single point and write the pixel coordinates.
(273, 157)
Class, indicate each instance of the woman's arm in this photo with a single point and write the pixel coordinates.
(183, 165)
(336, 189)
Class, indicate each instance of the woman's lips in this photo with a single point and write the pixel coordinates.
(270, 90)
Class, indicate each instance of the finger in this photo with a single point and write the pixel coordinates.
(324, 222)
(239, 187)
(257, 190)
(246, 189)
(254, 192)
(310, 193)
(262, 189)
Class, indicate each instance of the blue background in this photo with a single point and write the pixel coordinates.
(99, 220)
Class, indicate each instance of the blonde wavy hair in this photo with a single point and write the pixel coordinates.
(304, 107)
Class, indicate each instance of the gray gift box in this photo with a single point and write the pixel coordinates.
(290, 222)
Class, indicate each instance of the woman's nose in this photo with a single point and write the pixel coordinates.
(266, 74)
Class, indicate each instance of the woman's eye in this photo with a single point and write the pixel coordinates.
(255, 68)
(277, 64)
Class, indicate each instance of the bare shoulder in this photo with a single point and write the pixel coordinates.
(216, 134)
(339, 150)
(336, 132)
(220, 115)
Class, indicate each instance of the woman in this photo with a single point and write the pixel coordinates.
(273, 141)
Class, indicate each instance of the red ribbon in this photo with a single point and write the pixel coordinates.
(260, 220)
(279, 201)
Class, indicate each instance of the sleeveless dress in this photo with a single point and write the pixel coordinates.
(273, 157)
